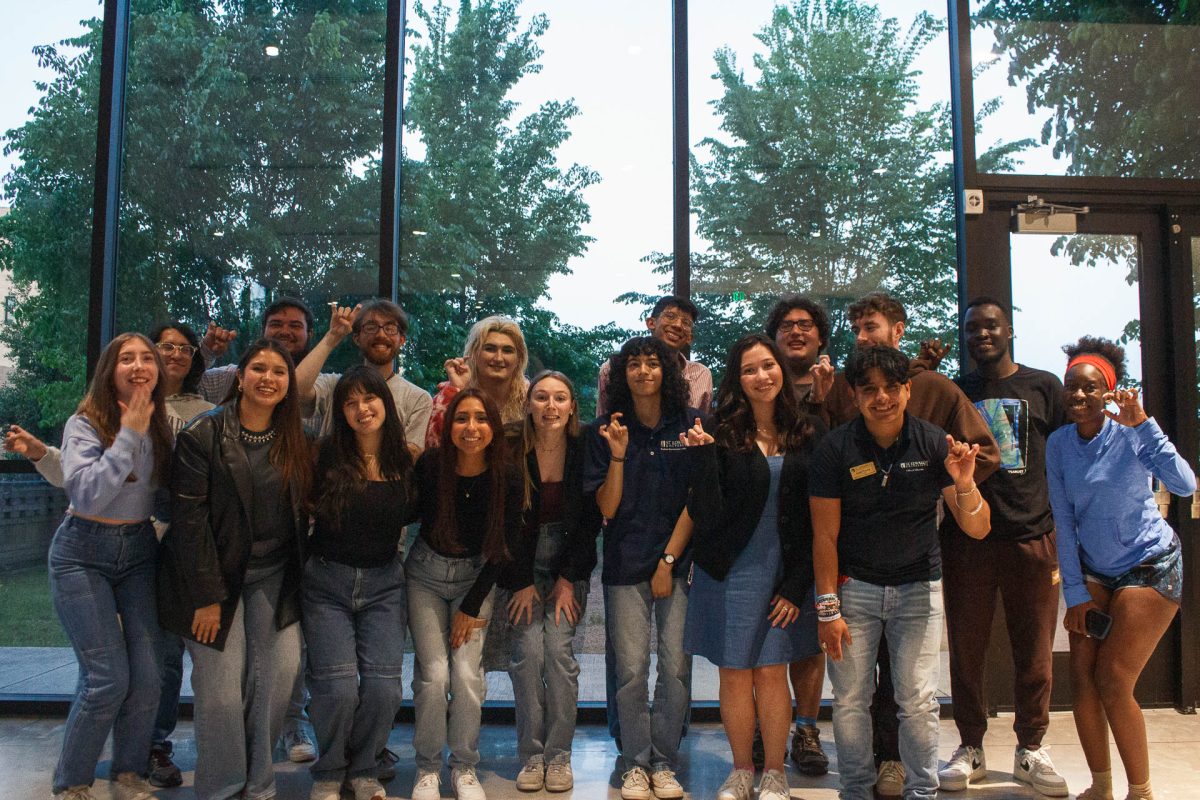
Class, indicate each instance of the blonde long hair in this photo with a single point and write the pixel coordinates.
(513, 407)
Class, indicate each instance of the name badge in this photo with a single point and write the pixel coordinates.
(863, 470)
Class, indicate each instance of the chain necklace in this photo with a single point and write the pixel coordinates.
(257, 438)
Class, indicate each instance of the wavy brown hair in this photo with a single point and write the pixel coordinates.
(99, 405)
(290, 452)
(734, 418)
(529, 434)
(444, 535)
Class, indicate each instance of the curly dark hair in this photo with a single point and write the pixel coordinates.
(191, 381)
(734, 418)
(341, 468)
(890, 362)
(786, 305)
(674, 391)
(1105, 348)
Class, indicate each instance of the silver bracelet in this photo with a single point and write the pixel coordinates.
(978, 508)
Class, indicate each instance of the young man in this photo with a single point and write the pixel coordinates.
(671, 321)
(637, 465)
(878, 320)
(1022, 406)
(800, 327)
(287, 321)
(874, 488)
(379, 329)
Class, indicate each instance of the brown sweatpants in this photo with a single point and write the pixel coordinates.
(1026, 575)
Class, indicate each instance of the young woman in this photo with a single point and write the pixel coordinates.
(1117, 554)
(116, 454)
(470, 516)
(548, 581)
(229, 581)
(750, 608)
(353, 587)
(177, 346)
(494, 361)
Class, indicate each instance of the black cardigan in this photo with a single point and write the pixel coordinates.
(728, 495)
(206, 550)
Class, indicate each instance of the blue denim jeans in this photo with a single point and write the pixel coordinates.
(649, 737)
(544, 672)
(102, 586)
(242, 695)
(354, 622)
(448, 685)
(170, 662)
(911, 615)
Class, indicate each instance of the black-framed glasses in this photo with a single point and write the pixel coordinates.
(372, 328)
(804, 325)
(168, 348)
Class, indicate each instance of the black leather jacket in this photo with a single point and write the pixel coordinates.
(207, 548)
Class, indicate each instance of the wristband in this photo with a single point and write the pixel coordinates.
(829, 617)
(974, 487)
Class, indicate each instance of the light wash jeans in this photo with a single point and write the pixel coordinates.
(102, 585)
(437, 585)
(911, 614)
(241, 695)
(544, 672)
(354, 625)
(649, 737)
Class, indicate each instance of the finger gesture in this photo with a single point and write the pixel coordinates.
(933, 351)
(822, 373)
(217, 339)
(1129, 409)
(696, 436)
(23, 443)
(616, 434)
(136, 414)
(341, 320)
(458, 372)
(960, 460)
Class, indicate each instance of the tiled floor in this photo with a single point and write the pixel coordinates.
(29, 747)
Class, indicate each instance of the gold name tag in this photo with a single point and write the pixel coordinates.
(862, 470)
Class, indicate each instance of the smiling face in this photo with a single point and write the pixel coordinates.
(644, 374)
(989, 335)
(761, 375)
(880, 400)
(873, 328)
(289, 327)
(470, 430)
(364, 412)
(551, 405)
(176, 364)
(379, 338)
(264, 381)
(498, 357)
(798, 338)
(135, 369)
(673, 326)
(1084, 388)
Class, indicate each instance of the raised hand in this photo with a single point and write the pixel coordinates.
(933, 351)
(822, 373)
(341, 320)
(960, 461)
(1129, 409)
(616, 434)
(23, 443)
(217, 339)
(696, 436)
(458, 372)
(136, 414)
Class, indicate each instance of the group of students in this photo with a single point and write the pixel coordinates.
(804, 514)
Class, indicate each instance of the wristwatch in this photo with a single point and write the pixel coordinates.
(667, 557)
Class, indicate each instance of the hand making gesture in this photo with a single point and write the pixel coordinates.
(822, 373)
(136, 414)
(458, 371)
(341, 321)
(616, 434)
(217, 339)
(696, 436)
(1129, 410)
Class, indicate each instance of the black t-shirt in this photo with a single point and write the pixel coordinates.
(366, 531)
(1021, 411)
(271, 517)
(888, 534)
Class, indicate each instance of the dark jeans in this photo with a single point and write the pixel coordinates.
(170, 661)
(1024, 574)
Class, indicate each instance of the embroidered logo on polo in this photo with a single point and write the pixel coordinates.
(909, 465)
(671, 444)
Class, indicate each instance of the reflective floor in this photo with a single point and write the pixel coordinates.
(29, 748)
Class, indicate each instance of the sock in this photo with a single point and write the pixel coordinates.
(1140, 791)
(1101, 788)
(806, 722)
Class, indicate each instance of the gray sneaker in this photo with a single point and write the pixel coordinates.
(367, 788)
(532, 776)
(739, 785)
(131, 786)
(559, 777)
(326, 790)
(298, 746)
(427, 786)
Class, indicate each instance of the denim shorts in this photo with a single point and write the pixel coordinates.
(1163, 573)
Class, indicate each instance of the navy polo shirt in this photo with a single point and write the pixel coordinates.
(653, 495)
(888, 533)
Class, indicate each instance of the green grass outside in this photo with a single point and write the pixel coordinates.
(27, 617)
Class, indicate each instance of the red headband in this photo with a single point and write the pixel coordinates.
(1099, 362)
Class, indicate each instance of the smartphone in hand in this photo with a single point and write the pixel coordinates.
(1097, 623)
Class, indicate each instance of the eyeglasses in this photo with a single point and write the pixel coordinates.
(168, 348)
(372, 328)
(805, 325)
(675, 318)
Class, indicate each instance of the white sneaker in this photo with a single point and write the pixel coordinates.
(427, 786)
(966, 765)
(559, 777)
(890, 780)
(738, 786)
(326, 790)
(532, 776)
(773, 786)
(466, 784)
(635, 785)
(1035, 768)
(298, 746)
(367, 788)
(666, 787)
(131, 786)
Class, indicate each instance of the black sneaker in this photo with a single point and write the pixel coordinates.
(386, 761)
(758, 751)
(162, 771)
(810, 759)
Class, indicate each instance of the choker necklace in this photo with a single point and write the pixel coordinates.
(258, 438)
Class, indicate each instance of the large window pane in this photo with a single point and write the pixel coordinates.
(1097, 89)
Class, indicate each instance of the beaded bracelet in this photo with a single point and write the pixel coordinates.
(829, 617)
